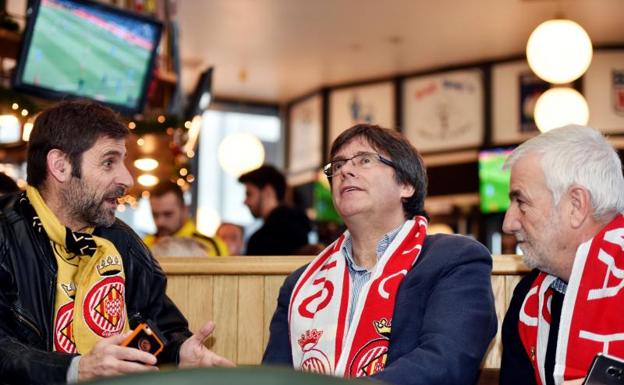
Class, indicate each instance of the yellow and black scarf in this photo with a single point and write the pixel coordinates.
(90, 284)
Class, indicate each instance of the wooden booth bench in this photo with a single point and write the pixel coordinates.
(240, 295)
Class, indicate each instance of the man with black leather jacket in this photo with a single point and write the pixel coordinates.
(74, 281)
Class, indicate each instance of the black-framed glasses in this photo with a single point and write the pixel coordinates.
(362, 160)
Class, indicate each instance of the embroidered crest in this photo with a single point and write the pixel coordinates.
(372, 357)
(63, 329)
(104, 307)
(69, 289)
(313, 360)
(111, 265)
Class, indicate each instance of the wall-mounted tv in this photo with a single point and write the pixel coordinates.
(493, 180)
(83, 49)
(202, 95)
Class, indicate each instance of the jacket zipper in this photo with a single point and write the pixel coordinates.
(28, 323)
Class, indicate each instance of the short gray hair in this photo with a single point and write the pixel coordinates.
(578, 155)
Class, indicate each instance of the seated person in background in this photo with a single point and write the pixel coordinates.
(172, 219)
(7, 185)
(73, 279)
(233, 236)
(178, 247)
(285, 229)
(567, 195)
(385, 299)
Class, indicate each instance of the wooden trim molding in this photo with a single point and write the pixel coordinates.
(284, 265)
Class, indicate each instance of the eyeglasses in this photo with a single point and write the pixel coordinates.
(362, 160)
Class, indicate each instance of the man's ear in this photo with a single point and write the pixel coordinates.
(268, 192)
(407, 190)
(58, 165)
(580, 208)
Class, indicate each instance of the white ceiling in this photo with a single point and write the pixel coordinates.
(277, 50)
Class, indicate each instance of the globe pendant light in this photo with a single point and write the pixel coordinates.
(560, 106)
(240, 152)
(559, 51)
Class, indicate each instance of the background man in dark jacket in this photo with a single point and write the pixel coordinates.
(73, 279)
(285, 229)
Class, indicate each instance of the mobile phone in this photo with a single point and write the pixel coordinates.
(145, 337)
(605, 370)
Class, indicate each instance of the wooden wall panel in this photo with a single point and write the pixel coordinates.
(272, 285)
(250, 320)
(225, 315)
(492, 359)
(200, 298)
(177, 290)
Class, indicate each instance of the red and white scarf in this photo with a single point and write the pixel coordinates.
(591, 316)
(321, 341)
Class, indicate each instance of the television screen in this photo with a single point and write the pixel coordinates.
(78, 48)
(493, 180)
(202, 94)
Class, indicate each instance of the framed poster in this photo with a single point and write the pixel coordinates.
(305, 135)
(603, 86)
(373, 103)
(444, 111)
(515, 90)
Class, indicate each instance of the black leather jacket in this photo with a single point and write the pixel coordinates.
(27, 293)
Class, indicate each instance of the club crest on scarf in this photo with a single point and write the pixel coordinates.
(313, 360)
(63, 330)
(372, 357)
(104, 307)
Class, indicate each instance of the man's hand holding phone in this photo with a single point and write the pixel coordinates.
(109, 358)
(131, 352)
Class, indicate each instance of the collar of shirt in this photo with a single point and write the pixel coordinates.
(382, 246)
(559, 286)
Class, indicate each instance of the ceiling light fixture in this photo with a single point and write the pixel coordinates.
(147, 180)
(146, 164)
(559, 51)
(240, 152)
(560, 106)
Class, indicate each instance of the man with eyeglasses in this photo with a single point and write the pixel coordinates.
(386, 299)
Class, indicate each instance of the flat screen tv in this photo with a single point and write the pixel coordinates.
(493, 180)
(83, 49)
(202, 94)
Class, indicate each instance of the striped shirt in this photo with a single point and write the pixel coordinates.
(559, 285)
(359, 275)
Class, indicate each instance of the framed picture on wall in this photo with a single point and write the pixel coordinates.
(305, 138)
(371, 103)
(603, 87)
(515, 90)
(444, 111)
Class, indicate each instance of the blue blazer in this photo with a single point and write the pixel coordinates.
(443, 322)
